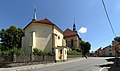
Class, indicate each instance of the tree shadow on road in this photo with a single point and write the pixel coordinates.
(112, 65)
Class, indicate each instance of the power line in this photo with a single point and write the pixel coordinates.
(108, 17)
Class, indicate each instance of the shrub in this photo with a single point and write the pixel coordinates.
(37, 51)
(77, 49)
(50, 53)
(73, 52)
(6, 52)
(12, 51)
(17, 51)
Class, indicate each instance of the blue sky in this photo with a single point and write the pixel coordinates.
(88, 13)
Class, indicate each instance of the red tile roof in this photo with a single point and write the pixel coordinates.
(43, 21)
(69, 33)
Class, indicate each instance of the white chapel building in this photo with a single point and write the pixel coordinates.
(44, 35)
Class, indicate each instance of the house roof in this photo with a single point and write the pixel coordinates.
(69, 33)
(43, 21)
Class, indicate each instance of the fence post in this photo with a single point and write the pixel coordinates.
(43, 58)
(31, 57)
(14, 57)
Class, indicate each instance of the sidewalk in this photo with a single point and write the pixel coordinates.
(21, 68)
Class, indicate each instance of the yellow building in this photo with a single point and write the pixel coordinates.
(44, 35)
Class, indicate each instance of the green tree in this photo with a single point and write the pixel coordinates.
(88, 45)
(85, 46)
(117, 38)
(11, 37)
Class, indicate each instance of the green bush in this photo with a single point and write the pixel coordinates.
(6, 52)
(17, 51)
(37, 51)
(73, 52)
(50, 53)
(77, 49)
(12, 51)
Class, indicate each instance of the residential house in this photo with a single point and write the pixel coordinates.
(99, 52)
(106, 51)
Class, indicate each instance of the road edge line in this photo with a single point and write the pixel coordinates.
(101, 69)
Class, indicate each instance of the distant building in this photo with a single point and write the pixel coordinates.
(99, 52)
(116, 47)
(108, 51)
(72, 38)
(46, 36)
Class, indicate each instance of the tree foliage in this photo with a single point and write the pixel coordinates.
(117, 38)
(11, 37)
(75, 51)
(12, 51)
(85, 46)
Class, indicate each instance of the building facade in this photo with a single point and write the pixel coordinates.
(108, 51)
(72, 38)
(46, 36)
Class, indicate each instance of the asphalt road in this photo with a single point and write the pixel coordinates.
(81, 64)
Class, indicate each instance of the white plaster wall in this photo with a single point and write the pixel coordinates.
(33, 39)
(43, 37)
(58, 42)
(63, 42)
(107, 51)
(57, 54)
(65, 54)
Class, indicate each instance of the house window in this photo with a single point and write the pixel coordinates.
(58, 37)
(110, 50)
(60, 51)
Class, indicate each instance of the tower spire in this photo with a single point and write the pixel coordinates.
(34, 15)
(74, 26)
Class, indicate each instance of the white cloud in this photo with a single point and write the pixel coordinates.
(82, 30)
